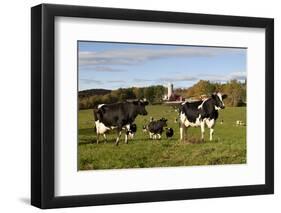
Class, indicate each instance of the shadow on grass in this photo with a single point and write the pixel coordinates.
(94, 141)
(131, 141)
(190, 140)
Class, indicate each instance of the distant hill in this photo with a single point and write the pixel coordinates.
(91, 92)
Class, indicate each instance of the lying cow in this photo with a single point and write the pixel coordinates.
(155, 128)
(201, 113)
(118, 116)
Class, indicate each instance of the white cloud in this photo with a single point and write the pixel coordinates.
(238, 75)
(162, 80)
(179, 78)
(90, 81)
(224, 78)
(115, 81)
(133, 56)
(143, 80)
(213, 78)
(106, 69)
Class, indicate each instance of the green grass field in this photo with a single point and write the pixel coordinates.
(228, 145)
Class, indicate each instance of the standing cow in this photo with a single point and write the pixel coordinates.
(155, 128)
(119, 116)
(131, 130)
(101, 129)
(201, 113)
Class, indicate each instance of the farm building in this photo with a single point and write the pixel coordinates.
(171, 96)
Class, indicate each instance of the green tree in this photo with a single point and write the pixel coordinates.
(159, 92)
(201, 88)
(149, 94)
(235, 93)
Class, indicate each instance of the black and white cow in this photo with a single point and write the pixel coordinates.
(169, 132)
(118, 116)
(101, 129)
(155, 128)
(131, 130)
(201, 113)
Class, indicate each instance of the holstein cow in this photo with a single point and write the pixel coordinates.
(101, 129)
(155, 128)
(169, 132)
(118, 115)
(131, 129)
(201, 113)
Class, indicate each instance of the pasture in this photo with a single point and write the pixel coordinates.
(228, 145)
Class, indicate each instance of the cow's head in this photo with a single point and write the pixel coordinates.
(140, 107)
(218, 100)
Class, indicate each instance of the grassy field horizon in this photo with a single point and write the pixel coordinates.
(228, 145)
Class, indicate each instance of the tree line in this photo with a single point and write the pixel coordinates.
(153, 94)
(235, 90)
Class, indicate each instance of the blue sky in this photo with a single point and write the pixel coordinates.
(110, 65)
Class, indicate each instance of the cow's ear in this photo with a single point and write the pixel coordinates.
(224, 96)
(214, 95)
(145, 103)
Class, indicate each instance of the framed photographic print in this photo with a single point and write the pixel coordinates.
(139, 106)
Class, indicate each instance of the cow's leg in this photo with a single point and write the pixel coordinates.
(150, 135)
(183, 132)
(184, 124)
(211, 125)
(159, 136)
(118, 137)
(96, 128)
(126, 138)
(105, 139)
(211, 133)
(127, 129)
(119, 133)
(98, 138)
(202, 124)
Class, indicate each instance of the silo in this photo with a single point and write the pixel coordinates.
(170, 90)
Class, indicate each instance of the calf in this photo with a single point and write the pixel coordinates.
(100, 128)
(169, 132)
(201, 113)
(131, 129)
(119, 115)
(155, 128)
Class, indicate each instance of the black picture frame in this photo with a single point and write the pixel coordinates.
(43, 110)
